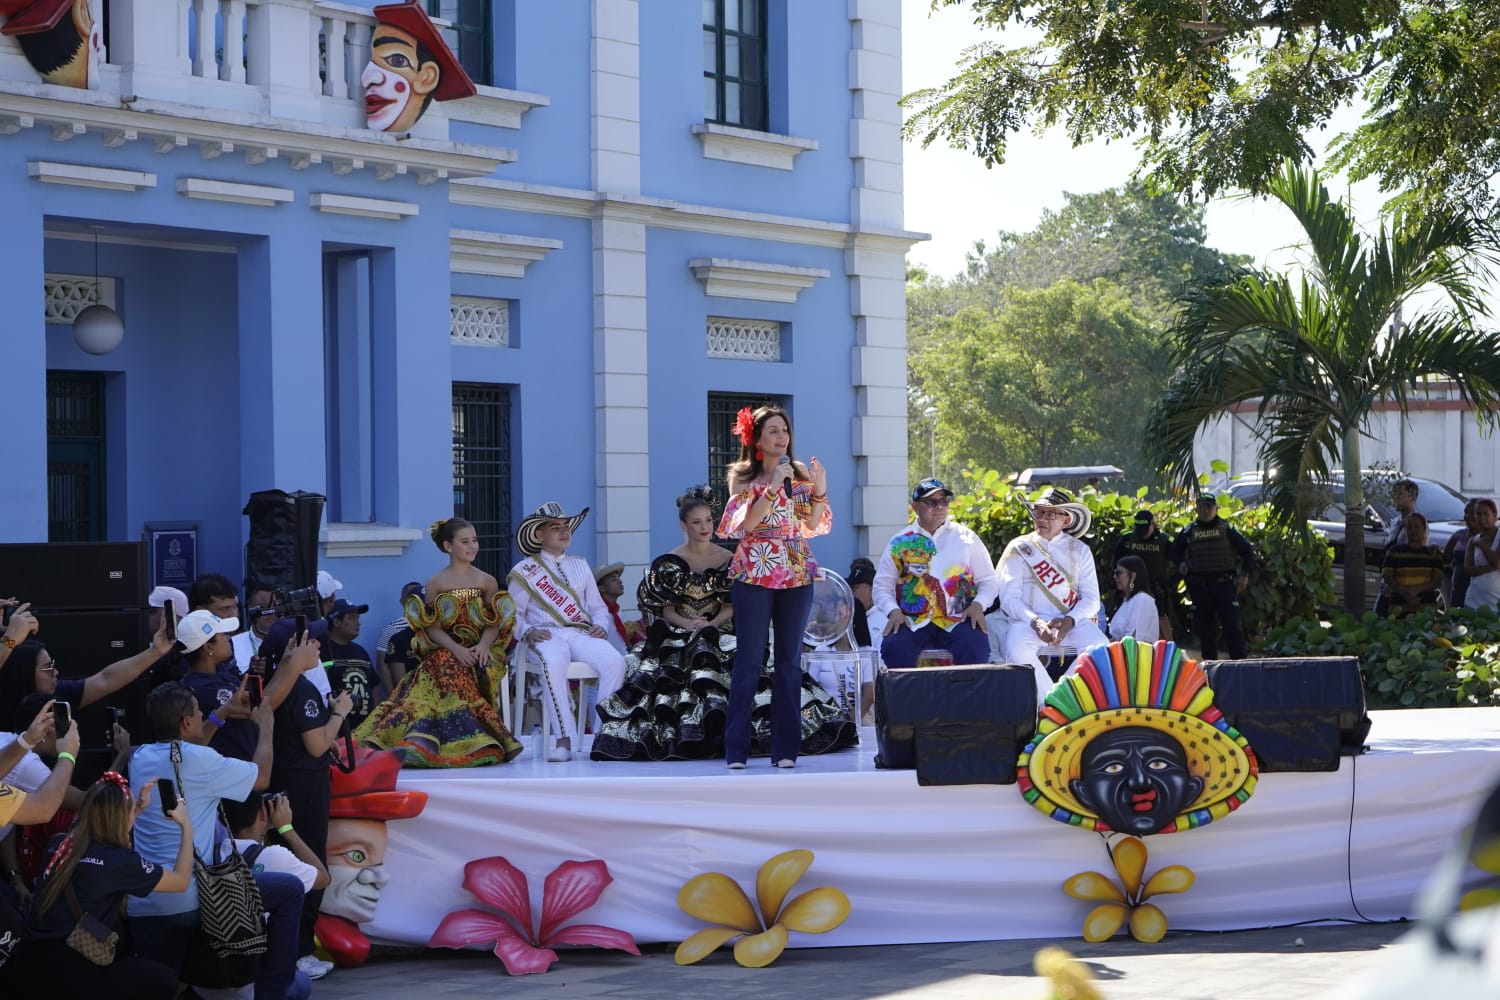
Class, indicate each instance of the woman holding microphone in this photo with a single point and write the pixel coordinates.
(775, 503)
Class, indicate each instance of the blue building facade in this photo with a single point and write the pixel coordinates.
(653, 212)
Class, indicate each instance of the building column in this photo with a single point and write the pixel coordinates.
(876, 266)
(622, 466)
(23, 404)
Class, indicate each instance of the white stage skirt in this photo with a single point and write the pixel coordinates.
(963, 863)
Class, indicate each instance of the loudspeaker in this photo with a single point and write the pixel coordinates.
(282, 552)
(63, 576)
(955, 725)
(1298, 713)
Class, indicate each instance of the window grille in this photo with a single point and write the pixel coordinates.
(479, 322)
(744, 339)
(734, 63)
(482, 470)
(723, 446)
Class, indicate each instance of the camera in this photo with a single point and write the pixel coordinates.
(304, 600)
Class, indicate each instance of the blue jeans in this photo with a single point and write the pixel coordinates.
(281, 895)
(967, 644)
(756, 609)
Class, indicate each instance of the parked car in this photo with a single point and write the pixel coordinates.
(1440, 503)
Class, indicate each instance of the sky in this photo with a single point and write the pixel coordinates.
(951, 196)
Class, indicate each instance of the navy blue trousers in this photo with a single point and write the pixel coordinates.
(965, 642)
(755, 610)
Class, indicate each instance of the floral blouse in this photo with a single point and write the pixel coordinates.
(773, 554)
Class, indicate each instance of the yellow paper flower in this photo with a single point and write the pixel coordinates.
(718, 899)
(1147, 923)
(1071, 979)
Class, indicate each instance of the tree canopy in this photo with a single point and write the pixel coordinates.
(1218, 93)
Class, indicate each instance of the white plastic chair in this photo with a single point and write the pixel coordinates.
(524, 667)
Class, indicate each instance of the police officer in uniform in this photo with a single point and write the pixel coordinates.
(1216, 562)
(1154, 549)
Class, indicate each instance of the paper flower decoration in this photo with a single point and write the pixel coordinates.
(573, 887)
(718, 899)
(1147, 923)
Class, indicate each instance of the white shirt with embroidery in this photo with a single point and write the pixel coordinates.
(1023, 599)
(578, 575)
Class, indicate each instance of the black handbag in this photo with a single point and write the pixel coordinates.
(230, 913)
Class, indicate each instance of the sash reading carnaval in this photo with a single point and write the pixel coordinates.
(1055, 583)
(556, 597)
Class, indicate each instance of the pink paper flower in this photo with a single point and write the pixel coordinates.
(573, 887)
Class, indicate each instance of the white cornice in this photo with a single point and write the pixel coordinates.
(753, 279)
(366, 539)
(170, 125)
(472, 251)
(370, 208)
(538, 199)
(747, 146)
(495, 106)
(240, 194)
(80, 175)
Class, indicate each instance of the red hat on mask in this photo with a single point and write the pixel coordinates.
(369, 791)
(412, 19)
(28, 17)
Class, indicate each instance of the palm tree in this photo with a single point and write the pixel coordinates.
(1318, 350)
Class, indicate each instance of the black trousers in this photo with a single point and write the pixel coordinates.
(1216, 605)
(308, 793)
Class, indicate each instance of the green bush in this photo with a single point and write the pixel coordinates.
(1432, 659)
(1294, 574)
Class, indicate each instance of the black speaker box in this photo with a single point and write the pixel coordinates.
(74, 575)
(1298, 713)
(955, 725)
(282, 550)
(85, 642)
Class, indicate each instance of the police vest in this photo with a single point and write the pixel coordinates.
(1208, 549)
(1152, 551)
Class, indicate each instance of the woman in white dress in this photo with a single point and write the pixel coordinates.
(1482, 559)
(1137, 614)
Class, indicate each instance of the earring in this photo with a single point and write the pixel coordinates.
(758, 456)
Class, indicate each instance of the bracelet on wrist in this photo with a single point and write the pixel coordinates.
(64, 755)
(284, 829)
(25, 745)
(215, 719)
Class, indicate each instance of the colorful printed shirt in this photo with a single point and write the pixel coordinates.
(934, 578)
(773, 553)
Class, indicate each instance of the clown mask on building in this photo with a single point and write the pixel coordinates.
(363, 802)
(410, 67)
(60, 38)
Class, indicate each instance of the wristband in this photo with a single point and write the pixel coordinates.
(64, 755)
(214, 718)
(21, 739)
(284, 830)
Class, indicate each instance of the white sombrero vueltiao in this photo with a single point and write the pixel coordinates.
(1079, 518)
(528, 539)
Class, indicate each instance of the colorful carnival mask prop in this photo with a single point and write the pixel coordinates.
(59, 38)
(410, 67)
(718, 899)
(522, 945)
(363, 801)
(1132, 743)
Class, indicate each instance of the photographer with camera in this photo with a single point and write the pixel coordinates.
(264, 611)
(19, 624)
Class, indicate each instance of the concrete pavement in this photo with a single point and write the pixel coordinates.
(1243, 965)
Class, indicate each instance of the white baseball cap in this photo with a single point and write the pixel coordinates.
(327, 585)
(161, 596)
(197, 628)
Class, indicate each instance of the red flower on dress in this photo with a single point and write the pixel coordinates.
(744, 426)
(573, 887)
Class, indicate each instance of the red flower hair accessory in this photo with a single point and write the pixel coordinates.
(744, 426)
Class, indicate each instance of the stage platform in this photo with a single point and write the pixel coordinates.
(928, 864)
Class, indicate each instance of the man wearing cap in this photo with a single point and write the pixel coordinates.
(328, 590)
(561, 616)
(410, 67)
(227, 725)
(1216, 561)
(611, 583)
(1153, 548)
(1049, 588)
(363, 802)
(347, 662)
(392, 662)
(932, 585)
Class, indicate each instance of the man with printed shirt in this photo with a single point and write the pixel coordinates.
(1216, 562)
(932, 585)
(1049, 588)
(1404, 496)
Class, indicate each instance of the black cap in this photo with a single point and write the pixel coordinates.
(1207, 498)
(861, 570)
(1144, 517)
(927, 487)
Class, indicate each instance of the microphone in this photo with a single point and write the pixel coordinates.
(784, 464)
